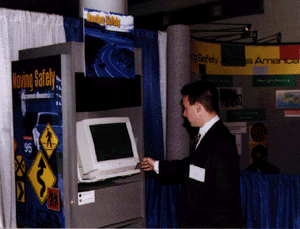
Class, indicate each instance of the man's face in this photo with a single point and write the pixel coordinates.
(190, 112)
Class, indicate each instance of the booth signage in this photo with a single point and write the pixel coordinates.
(20, 195)
(49, 140)
(53, 202)
(238, 59)
(20, 166)
(245, 115)
(38, 141)
(219, 80)
(109, 44)
(274, 80)
(41, 177)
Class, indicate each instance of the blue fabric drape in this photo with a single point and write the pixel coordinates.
(267, 200)
(73, 29)
(153, 130)
(161, 205)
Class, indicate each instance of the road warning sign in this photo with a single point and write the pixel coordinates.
(41, 176)
(20, 166)
(21, 191)
(49, 140)
(53, 202)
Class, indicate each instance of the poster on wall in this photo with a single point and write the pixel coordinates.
(38, 142)
(231, 98)
(288, 98)
(109, 44)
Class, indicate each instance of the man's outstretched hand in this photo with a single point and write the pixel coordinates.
(147, 164)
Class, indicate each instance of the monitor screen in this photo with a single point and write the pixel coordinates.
(111, 141)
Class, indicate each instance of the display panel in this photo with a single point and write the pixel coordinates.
(38, 138)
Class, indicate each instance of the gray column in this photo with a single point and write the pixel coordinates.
(178, 63)
(115, 6)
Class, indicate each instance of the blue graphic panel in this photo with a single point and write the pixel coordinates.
(38, 141)
(109, 44)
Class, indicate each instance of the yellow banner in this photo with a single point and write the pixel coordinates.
(234, 59)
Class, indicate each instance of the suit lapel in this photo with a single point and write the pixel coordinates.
(207, 137)
(201, 154)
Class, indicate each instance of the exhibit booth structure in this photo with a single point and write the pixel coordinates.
(78, 142)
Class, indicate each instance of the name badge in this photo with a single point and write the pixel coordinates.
(197, 173)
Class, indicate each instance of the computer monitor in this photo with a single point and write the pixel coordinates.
(106, 149)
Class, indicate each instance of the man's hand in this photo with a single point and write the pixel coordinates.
(147, 164)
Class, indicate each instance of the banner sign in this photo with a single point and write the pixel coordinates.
(274, 80)
(237, 59)
(219, 80)
(38, 141)
(245, 115)
(109, 44)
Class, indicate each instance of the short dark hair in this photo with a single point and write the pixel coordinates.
(203, 92)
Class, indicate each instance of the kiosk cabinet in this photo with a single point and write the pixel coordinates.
(50, 95)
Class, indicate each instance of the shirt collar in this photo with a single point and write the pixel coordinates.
(203, 130)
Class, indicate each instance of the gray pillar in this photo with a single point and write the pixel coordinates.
(178, 63)
(115, 6)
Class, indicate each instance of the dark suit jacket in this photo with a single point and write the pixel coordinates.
(216, 201)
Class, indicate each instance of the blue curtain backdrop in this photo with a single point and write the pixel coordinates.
(161, 204)
(268, 201)
(73, 29)
(153, 130)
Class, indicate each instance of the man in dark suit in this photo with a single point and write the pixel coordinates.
(210, 176)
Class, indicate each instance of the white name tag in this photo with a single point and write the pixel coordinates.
(197, 173)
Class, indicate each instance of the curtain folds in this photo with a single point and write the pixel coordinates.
(19, 30)
(7, 202)
(73, 29)
(161, 204)
(153, 132)
(268, 201)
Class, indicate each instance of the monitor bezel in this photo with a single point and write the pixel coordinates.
(86, 149)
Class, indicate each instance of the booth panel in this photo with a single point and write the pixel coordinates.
(112, 204)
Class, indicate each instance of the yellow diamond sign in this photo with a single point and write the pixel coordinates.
(49, 140)
(41, 176)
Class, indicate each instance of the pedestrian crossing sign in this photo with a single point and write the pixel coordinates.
(49, 140)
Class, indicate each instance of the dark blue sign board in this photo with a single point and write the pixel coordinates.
(38, 141)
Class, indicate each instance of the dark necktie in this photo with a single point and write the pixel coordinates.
(196, 140)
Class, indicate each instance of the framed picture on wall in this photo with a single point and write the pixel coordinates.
(231, 97)
(288, 98)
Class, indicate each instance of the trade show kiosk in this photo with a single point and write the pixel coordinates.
(83, 170)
